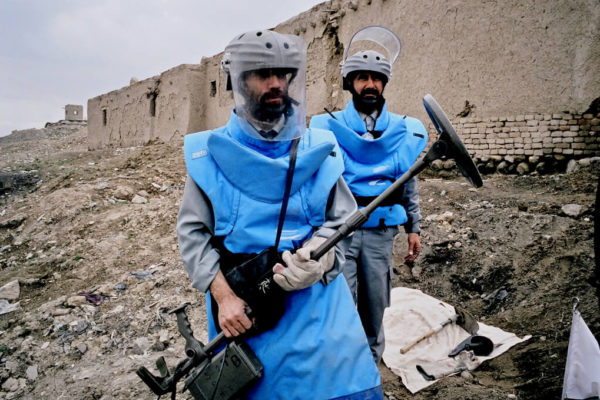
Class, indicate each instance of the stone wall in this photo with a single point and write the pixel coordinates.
(513, 58)
(536, 142)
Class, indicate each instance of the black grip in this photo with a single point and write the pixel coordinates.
(192, 346)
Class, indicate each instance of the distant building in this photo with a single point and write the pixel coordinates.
(73, 112)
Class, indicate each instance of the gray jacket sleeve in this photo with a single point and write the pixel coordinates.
(340, 206)
(195, 229)
(410, 201)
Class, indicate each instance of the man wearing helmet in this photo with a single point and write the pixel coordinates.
(378, 147)
(265, 184)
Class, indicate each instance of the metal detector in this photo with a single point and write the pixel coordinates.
(203, 360)
(447, 146)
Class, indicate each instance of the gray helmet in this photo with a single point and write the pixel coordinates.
(369, 59)
(268, 54)
(262, 49)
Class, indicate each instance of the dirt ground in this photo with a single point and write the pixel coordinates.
(90, 238)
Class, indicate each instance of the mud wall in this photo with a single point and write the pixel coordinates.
(158, 108)
(507, 59)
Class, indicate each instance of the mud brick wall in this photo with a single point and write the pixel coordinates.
(532, 135)
(461, 52)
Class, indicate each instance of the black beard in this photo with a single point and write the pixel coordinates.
(368, 104)
(262, 111)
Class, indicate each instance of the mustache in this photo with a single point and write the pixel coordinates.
(273, 94)
(374, 92)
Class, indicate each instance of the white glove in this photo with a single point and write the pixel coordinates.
(301, 271)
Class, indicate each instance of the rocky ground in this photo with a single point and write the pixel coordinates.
(89, 267)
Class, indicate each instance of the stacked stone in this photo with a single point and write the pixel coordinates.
(542, 143)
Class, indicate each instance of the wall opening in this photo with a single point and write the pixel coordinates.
(104, 116)
(153, 97)
(213, 88)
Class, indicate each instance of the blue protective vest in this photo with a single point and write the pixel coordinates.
(318, 349)
(371, 166)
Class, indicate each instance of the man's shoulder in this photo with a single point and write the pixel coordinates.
(412, 123)
(201, 136)
(320, 121)
(320, 135)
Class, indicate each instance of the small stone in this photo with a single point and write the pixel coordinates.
(523, 168)
(10, 291)
(57, 312)
(10, 385)
(137, 199)
(120, 287)
(123, 192)
(11, 366)
(572, 166)
(466, 375)
(76, 301)
(572, 210)
(436, 165)
(449, 164)
(6, 307)
(32, 373)
(82, 348)
(164, 336)
(157, 346)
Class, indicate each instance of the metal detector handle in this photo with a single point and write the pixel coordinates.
(192, 346)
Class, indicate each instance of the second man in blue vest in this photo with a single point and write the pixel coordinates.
(378, 147)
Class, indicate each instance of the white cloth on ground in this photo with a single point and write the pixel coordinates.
(412, 314)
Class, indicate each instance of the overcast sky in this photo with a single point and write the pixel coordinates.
(61, 52)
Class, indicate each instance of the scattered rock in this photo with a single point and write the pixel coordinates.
(572, 210)
(76, 301)
(11, 385)
(6, 307)
(572, 166)
(10, 291)
(12, 222)
(82, 348)
(31, 373)
(142, 275)
(523, 168)
(137, 199)
(123, 192)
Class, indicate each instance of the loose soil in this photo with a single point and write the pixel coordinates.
(95, 223)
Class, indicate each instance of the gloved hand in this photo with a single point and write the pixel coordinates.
(301, 271)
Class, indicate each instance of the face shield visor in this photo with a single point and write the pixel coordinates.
(268, 79)
(373, 48)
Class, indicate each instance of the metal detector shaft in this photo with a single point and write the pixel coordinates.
(359, 217)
